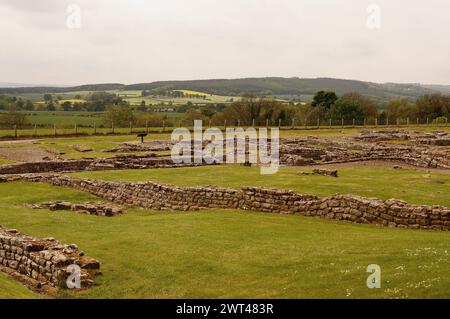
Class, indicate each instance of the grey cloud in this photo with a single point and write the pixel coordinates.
(36, 5)
(138, 41)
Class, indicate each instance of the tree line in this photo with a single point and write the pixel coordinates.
(325, 107)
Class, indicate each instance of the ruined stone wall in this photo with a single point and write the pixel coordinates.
(45, 166)
(42, 262)
(117, 162)
(394, 213)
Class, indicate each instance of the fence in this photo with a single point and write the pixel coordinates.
(56, 130)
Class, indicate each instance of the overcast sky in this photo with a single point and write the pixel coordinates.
(130, 41)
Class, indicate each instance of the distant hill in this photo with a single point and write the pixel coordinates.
(16, 85)
(290, 86)
(260, 86)
(55, 89)
(441, 88)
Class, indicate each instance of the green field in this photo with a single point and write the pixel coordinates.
(4, 161)
(9, 288)
(65, 119)
(39, 97)
(132, 96)
(97, 143)
(65, 125)
(221, 253)
(231, 254)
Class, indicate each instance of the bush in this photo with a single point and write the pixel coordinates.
(440, 120)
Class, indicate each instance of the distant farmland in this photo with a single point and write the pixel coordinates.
(134, 97)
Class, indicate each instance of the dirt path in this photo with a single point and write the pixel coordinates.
(25, 154)
(22, 151)
(18, 142)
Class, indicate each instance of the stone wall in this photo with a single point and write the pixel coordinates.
(419, 149)
(45, 166)
(42, 263)
(129, 161)
(394, 213)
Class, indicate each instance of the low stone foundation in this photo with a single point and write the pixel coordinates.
(46, 166)
(129, 161)
(42, 264)
(326, 172)
(98, 209)
(393, 213)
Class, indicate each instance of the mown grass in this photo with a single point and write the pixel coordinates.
(4, 161)
(64, 119)
(225, 253)
(412, 185)
(69, 130)
(10, 288)
(64, 128)
(97, 143)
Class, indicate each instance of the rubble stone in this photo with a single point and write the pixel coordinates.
(42, 262)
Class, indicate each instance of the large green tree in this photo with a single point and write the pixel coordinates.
(368, 105)
(347, 110)
(433, 106)
(324, 99)
(120, 116)
(48, 97)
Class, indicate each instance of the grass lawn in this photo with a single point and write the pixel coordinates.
(4, 161)
(64, 119)
(411, 185)
(65, 126)
(225, 253)
(10, 288)
(97, 143)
